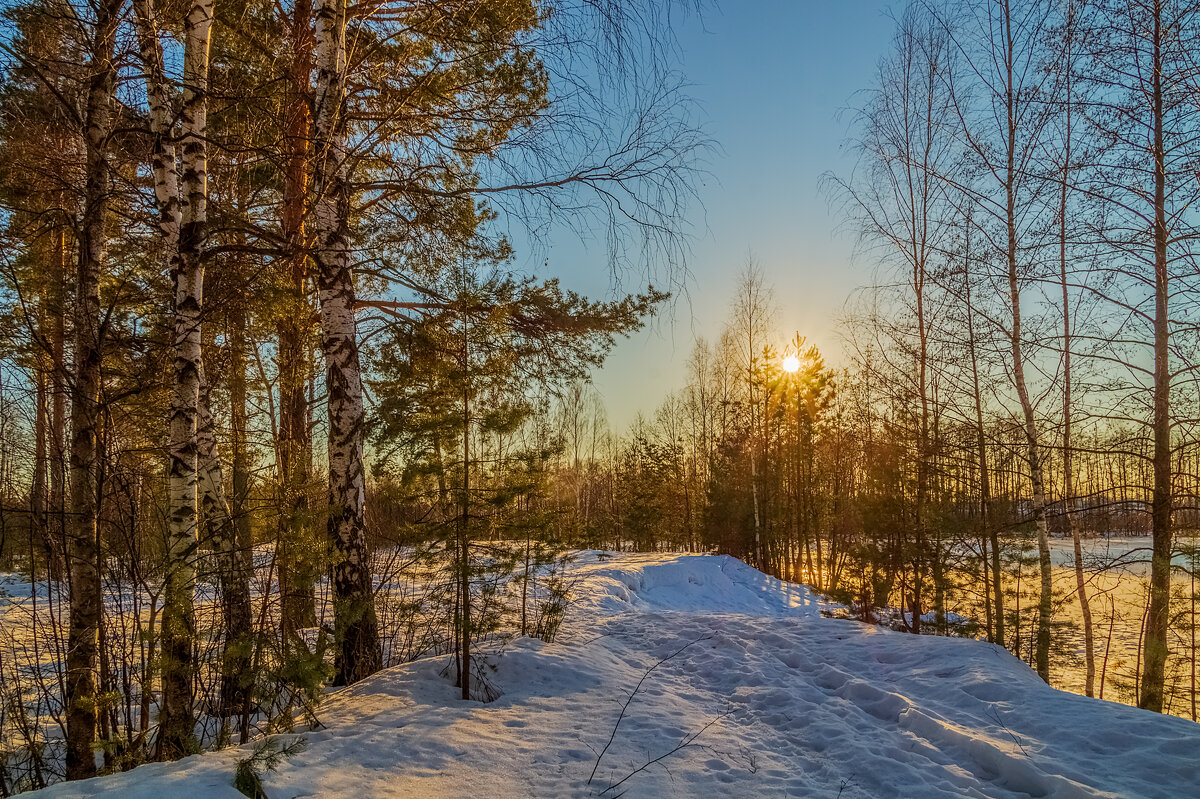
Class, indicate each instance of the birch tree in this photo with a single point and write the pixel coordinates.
(83, 554)
(355, 628)
(194, 470)
(1001, 109)
(899, 202)
(1140, 69)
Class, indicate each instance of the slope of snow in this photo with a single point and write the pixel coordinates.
(775, 701)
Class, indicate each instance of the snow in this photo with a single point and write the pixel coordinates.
(784, 702)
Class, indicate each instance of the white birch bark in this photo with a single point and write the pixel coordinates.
(356, 633)
(187, 228)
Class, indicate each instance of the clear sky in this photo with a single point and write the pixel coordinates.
(772, 78)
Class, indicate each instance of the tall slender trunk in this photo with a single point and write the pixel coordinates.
(464, 529)
(176, 735)
(919, 553)
(297, 567)
(758, 559)
(38, 500)
(83, 552)
(1085, 608)
(1154, 656)
(1036, 473)
(235, 690)
(170, 217)
(355, 626)
(991, 535)
(1033, 446)
(58, 395)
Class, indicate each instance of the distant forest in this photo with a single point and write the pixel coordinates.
(277, 410)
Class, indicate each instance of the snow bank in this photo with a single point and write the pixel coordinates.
(775, 701)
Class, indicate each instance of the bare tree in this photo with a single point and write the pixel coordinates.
(1141, 76)
(1003, 117)
(899, 201)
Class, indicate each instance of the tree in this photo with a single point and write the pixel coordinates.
(751, 315)
(1068, 67)
(472, 369)
(1002, 44)
(900, 203)
(1140, 73)
(82, 543)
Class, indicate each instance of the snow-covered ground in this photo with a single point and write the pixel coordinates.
(775, 701)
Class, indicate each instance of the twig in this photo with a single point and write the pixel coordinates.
(1004, 727)
(625, 707)
(686, 742)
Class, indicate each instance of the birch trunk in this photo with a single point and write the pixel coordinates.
(176, 735)
(58, 397)
(170, 217)
(1032, 443)
(58, 400)
(82, 537)
(356, 633)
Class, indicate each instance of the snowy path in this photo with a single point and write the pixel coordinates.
(797, 706)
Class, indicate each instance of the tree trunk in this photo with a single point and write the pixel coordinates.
(38, 501)
(1033, 448)
(83, 534)
(176, 735)
(238, 630)
(1068, 465)
(464, 530)
(297, 566)
(357, 637)
(1154, 656)
(58, 399)
(990, 534)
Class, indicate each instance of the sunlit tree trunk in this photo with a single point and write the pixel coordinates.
(1154, 654)
(357, 638)
(83, 553)
(58, 393)
(297, 564)
(1032, 442)
(176, 734)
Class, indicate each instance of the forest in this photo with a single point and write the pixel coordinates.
(280, 409)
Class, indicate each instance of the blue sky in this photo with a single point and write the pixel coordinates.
(772, 78)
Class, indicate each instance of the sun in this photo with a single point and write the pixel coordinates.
(791, 363)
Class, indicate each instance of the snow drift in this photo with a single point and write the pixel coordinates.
(753, 694)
